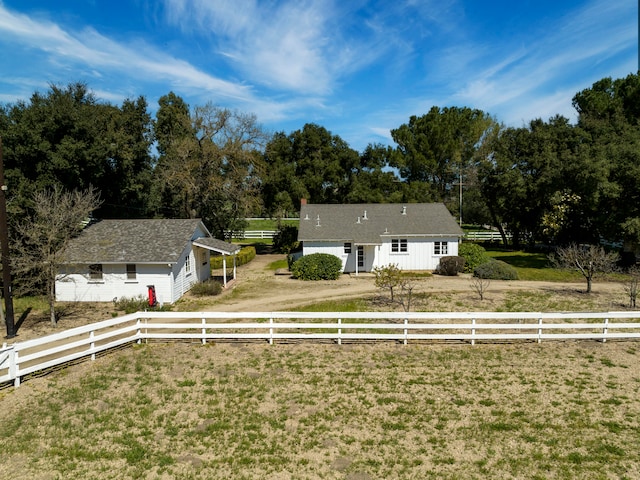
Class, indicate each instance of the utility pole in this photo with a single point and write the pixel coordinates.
(4, 241)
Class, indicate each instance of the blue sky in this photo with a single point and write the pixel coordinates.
(358, 68)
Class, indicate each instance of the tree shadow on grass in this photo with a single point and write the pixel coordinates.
(21, 320)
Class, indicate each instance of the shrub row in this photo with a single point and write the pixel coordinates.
(244, 256)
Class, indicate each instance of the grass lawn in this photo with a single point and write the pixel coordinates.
(269, 224)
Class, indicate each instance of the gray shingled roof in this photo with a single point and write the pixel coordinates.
(349, 223)
(217, 245)
(132, 241)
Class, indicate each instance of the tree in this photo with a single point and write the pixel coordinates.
(631, 285)
(590, 260)
(66, 137)
(436, 149)
(311, 163)
(388, 277)
(56, 217)
(212, 170)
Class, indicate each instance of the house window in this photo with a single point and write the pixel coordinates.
(95, 271)
(131, 271)
(398, 245)
(441, 248)
(347, 247)
(187, 265)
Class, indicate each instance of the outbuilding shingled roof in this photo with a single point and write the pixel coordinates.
(133, 241)
(368, 223)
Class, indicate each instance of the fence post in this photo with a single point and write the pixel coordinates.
(271, 331)
(14, 367)
(540, 330)
(204, 331)
(339, 332)
(473, 331)
(139, 331)
(605, 329)
(92, 346)
(406, 322)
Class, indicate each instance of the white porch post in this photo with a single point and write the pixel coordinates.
(357, 259)
(224, 270)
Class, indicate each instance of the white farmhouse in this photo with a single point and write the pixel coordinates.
(414, 236)
(124, 258)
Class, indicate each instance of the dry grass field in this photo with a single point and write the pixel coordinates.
(556, 410)
(319, 411)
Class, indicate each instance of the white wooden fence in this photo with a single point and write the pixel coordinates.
(253, 234)
(31, 356)
(485, 236)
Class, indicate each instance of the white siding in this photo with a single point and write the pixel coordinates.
(332, 248)
(419, 255)
(77, 287)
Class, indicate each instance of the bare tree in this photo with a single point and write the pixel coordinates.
(390, 277)
(590, 260)
(631, 285)
(56, 218)
(480, 285)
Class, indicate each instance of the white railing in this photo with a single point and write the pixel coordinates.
(485, 236)
(24, 358)
(254, 234)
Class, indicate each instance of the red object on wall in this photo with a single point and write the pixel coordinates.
(153, 301)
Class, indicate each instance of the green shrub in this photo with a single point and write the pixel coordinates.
(473, 254)
(285, 239)
(244, 256)
(131, 304)
(138, 304)
(317, 266)
(450, 266)
(207, 288)
(496, 270)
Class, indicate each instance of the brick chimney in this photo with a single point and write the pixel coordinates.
(303, 201)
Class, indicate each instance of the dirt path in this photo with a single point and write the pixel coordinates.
(258, 288)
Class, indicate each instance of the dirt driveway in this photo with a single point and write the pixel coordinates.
(258, 288)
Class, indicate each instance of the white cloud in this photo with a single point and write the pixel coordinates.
(89, 49)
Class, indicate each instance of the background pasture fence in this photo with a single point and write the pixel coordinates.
(24, 358)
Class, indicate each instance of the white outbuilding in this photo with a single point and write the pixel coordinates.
(112, 259)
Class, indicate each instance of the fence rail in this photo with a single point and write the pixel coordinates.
(253, 234)
(485, 236)
(24, 358)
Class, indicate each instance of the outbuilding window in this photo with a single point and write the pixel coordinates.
(131, 271)
(398, 245)
(441, 248)
(95, 271)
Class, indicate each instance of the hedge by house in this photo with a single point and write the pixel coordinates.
(474, 255)
(244, 256)
(317, 266)
(496, 270)
(450, 266)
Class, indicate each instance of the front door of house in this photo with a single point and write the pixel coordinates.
(361, 258)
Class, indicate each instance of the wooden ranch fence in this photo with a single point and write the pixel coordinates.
(31, 356)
